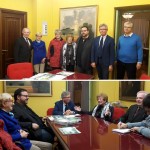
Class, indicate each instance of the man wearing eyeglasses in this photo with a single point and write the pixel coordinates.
(29, 120)
(129, 53)
(103, 53)
(65, 106)
(136, 112)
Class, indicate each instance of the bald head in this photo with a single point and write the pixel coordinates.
(26, 32)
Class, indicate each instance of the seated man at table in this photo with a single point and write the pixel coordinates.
(65, 106)
(104, 109)
(136, 112)
(142, 127)
(29, 120)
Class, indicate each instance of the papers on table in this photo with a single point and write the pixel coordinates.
(121, 130)
(65, 120)
(69, 130)
(48, 76)
(65, 73)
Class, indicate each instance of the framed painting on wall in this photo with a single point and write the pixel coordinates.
(34, 88)
(129, 89)
(72, 19)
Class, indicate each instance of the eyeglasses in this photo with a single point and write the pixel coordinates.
(10, 100)
(102, 29)
(127, 27)
(25, 95)
(67, 97)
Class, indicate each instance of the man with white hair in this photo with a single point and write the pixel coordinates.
(23, 47)
(136, 112)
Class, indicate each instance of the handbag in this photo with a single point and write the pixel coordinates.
(47, 67)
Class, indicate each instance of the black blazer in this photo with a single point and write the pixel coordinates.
(26, 117)
(107, 118)
(86, 53)
(129, 115)
(22, 52)
(108, 54)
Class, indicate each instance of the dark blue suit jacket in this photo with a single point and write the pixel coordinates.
(58, 109)
(12, 127)
(108, 54)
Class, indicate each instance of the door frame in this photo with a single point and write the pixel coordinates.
(3, 10)
(117, 23)
(85, 93)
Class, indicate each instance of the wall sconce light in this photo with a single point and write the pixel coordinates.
(127, 16)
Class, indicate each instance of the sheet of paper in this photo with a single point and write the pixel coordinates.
(121, 130)
(69, 130)
(65, 73)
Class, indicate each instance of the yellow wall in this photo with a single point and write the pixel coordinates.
(41, 104)
(111, 88)
(49, 11)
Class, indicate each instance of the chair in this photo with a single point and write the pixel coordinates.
(20, 70)
(144, 76)
(50, 111)
(118, 112)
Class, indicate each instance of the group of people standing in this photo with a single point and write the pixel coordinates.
(84, 54)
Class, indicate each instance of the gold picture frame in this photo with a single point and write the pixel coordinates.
(129, 89)
(73, 18)
(34, 88)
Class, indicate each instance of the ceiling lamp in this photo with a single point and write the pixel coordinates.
(127, 16)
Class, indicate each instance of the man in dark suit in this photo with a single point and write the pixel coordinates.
(83, 55)
(135, 113)
(29, 120)
(65, 106)
(23, 47)
(103, 53)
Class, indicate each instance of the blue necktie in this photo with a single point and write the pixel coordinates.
(101, 48)
(66, 107)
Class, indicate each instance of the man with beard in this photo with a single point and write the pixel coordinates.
(83, 56)
(29, 120)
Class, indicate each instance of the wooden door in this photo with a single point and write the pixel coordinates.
(11, 25)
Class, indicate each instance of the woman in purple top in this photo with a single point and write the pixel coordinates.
(39, 53)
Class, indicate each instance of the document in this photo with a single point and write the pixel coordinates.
(69, 130)
(65, 73)
(121, 130)
(65, 120)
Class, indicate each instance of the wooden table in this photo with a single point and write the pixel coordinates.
(97, 134)
(75, 76)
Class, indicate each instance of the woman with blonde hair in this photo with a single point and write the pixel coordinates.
(39, 53)
(13, 128)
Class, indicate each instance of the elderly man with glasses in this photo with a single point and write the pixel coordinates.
(29, 120)
(65, 106)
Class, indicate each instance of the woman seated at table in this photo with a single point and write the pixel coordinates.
(104, 109)
(12, 126)
(142, 127)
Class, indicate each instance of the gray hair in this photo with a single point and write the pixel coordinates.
(65, 94)
(103, 25)
(143, 92)
(128, 23)
(57, 31)
(4, 97)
